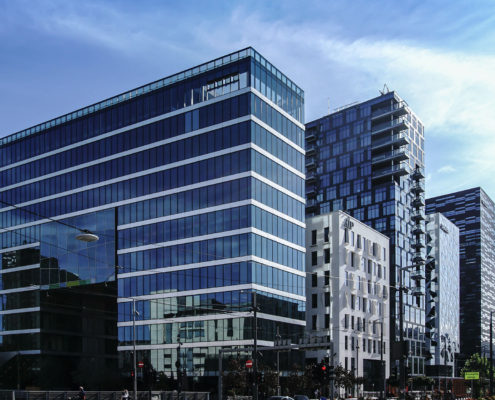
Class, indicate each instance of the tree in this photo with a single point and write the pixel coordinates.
(311, 383)
(478, 364)
(296, 380)
(269, 385)
(236, 378)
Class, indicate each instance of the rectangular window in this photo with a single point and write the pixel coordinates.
(314, 321)
(314, 280)
(314, 258)
(327, 321)
(346, 321)
(353, 256)
(327, 255)
(314, 301)
(346, 281)
(327, 278)
(327, 299)
(313, 237)
(352, 346)
(353, 302)
(327, 235)
(346, 345)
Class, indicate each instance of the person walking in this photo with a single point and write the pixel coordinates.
(125, 395)
(82, 393)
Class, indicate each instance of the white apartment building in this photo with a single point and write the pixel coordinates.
(347, 291)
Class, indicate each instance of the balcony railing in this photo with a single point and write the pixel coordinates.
(399, 169)
(419, 257)
(311, 162)
(398, 154)
(418, 275)
(399, 139)
(418, 243)
(311, 190)
(418, 201)
(396, 109)
(419, 173)
(311, 203)
(418, 187)
(310, 136)
(398, 124)
(418, 215)
(311, 177)
(419, 228)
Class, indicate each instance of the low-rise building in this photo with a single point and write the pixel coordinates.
(347, 293)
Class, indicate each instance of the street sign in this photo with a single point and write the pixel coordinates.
(140, 364)
(471, 375)
(249, 364)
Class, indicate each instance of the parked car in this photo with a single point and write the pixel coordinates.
(300, 397)
(281, 398)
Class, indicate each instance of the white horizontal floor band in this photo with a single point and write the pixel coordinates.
(6, 271)
(20, 310)
(213, 263)
(175, 138)
(19, 332)
(15, 248)
(185, 345)
(149, 172)
(212, 236)
(249, 286)
(212, 209)
(213, 317)
(155, 195)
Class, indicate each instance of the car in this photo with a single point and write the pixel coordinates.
(300, 397)
(280, 398)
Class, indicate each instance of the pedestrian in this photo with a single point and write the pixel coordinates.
(125, 395)
(451, 395)
(82, 393)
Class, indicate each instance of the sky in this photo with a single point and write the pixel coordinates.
(57, 56)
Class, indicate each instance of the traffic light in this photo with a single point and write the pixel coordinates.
(262, 377)
(331, 373)
(407, 374)
(259, 378)
(132, 374)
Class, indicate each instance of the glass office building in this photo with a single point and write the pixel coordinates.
(473, 212)
(195, 186)
(368, 159)
(442, 295)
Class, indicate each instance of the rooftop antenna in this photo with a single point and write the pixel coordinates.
(328, 105)
(382, 92)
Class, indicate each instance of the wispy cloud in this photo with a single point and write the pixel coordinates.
(447, 168)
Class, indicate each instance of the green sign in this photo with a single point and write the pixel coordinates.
(471, 375)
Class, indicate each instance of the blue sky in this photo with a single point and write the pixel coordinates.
(58, 56)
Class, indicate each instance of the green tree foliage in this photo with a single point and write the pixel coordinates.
(269, 386)
(296, 380)
(235, 379)
(424, 381)
(478, 364)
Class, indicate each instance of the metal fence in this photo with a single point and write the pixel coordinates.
(56, 395)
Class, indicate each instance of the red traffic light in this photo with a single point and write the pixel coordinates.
(323, 367)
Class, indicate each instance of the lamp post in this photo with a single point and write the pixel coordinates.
(278, 337)
(382, 369)
(255, 310)
(402, 369)
(179, 368)
(134, 313)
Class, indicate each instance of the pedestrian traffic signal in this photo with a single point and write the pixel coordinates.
(407, 374)
(331, 372)
(132, 374)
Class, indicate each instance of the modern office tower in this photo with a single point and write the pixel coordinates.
(347, 294)
(442, 295)
(194, 184)
(368, 159)
(473, 212)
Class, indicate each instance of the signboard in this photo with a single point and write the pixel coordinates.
(249, 364)
(471, 375)
(348, 224)
(140, 364)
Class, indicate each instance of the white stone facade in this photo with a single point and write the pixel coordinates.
(347, 292)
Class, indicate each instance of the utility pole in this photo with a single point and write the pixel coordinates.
(18, 368)
(402, 380)
(179, 368)
(491, 353)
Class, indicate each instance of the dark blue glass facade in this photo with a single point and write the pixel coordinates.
(194, 185)
(473, 212)
(368, 159)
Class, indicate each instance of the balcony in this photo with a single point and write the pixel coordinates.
(311, 136)
(419, 229)
(418, 243)
(399, 124)
(417, 291)
(311, 190)
(418, 187)
(418, 275)
(399, 169)
(311, 177)
(311, 163)
(398, 109)
(419, 257)
(418, 201)
(311, 150)
(395, 155)
(311, 205)
(418, 173)
(418, 215)
(397, 140)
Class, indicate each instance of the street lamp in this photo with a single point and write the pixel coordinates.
(382, 369)
(402, 380)
(87, 236)
(254, 309)
(134, 313)
(178, 365)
